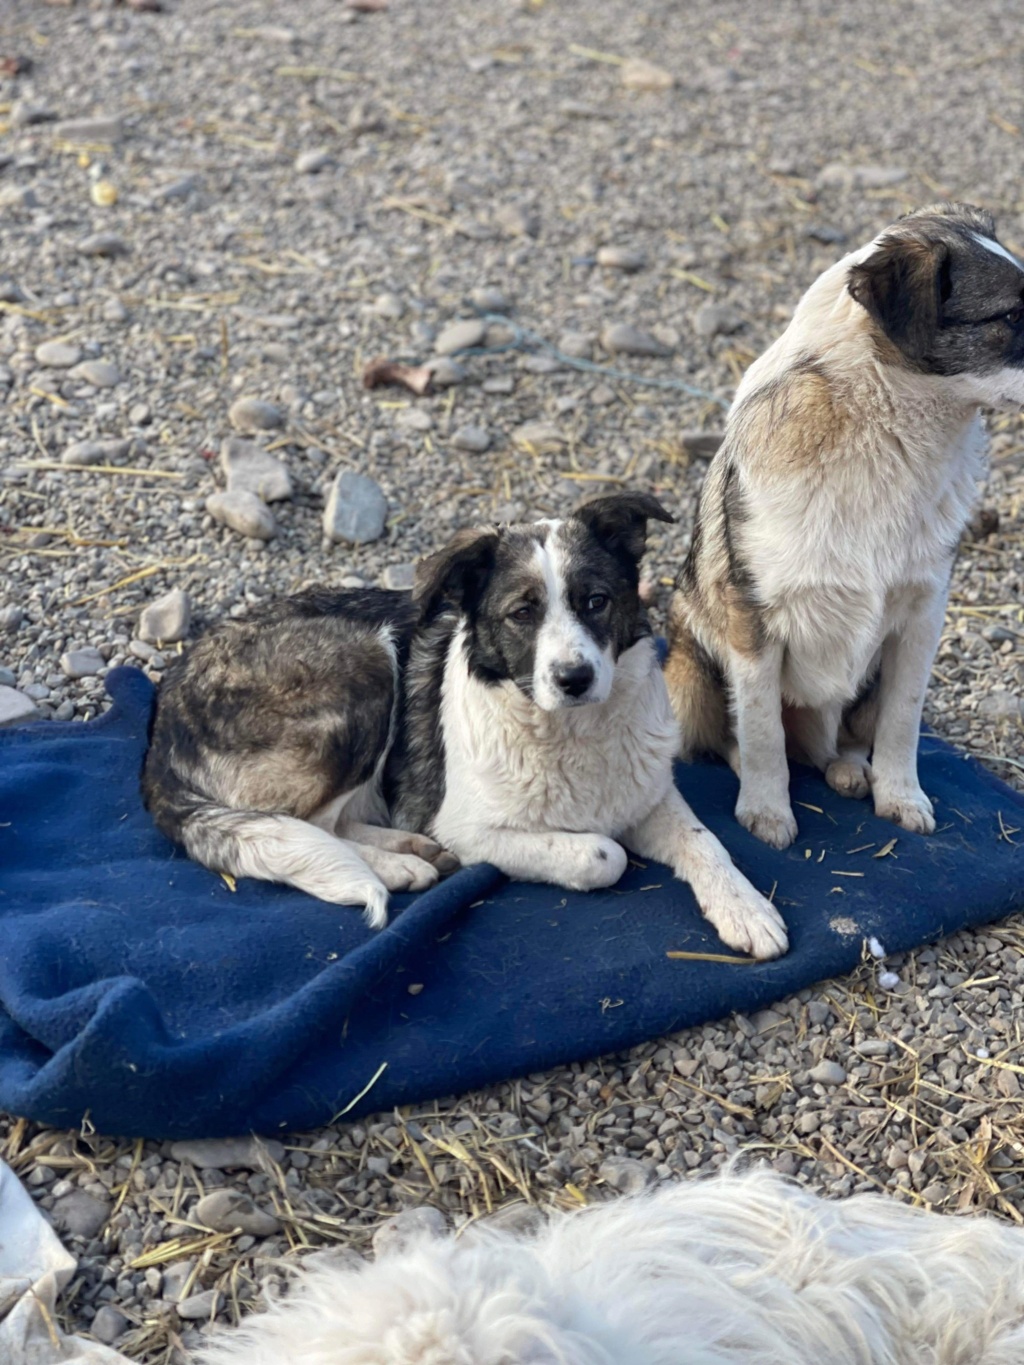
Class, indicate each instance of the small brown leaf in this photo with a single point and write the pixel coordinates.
(415, 378)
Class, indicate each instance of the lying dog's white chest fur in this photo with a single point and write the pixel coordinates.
(598, 768)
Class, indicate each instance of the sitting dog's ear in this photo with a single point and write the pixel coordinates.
(451, 576)
(620, 521)
(903, 285)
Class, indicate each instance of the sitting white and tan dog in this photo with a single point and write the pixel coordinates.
(810, 607)
(736, 1270)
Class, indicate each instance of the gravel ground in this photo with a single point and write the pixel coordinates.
(246, 200)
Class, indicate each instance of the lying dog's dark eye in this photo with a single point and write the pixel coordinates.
(597, 601)
(1015, 316)
(523, 613)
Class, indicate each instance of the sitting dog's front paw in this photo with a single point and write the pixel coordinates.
(774, 826)
(907, 807)
(747, 922)
(849, 777)
(594, 862)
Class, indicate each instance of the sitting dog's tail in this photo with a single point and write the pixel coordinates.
(271, 847)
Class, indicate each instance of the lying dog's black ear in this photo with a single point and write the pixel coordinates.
(450, 577)
(903, 285)
(620, 521)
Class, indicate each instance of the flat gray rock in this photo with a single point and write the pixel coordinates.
(83, 663)
(108, 1325)
(10, 619)
(356, 509)
(714, 319)
(58, 355)
(622, 338)
(472, 438)
(460, 336)
(226, 1209)
(227, 1154)
(79, 1214)
(101, 374)
(104, 244)
(254, 414)
(244, 512)
(15, 707)
(96, 452)
(167, 619)
(251, 470)
(199, 1307)
(621, 258)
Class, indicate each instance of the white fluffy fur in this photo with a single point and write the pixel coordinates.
(852, 559)
(737, 1270)
(546, 795)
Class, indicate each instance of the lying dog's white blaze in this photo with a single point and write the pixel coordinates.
(565, 648)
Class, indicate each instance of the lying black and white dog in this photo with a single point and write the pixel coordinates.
(510, 710)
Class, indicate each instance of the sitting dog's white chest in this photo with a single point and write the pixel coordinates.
(842, 566)
(597, 768)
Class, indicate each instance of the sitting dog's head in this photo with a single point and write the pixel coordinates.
(950, 297)
(551, 605)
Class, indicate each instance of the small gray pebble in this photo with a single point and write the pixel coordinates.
(101, 374)
(623, 338)
(253, 414)
(58, 355)
(489, 300)
(80, 1214)
(243, 512)
(624, 1174)
(621, 258)
(96, 452)
(309, 163)
(199, 1307)
(250, 469)
(460, 336)
(94, 129)
(226, 1209)
(828, 1073)
(8, 677)
(83, 663)
(716, 319)
(104, 244)
(167, 619)
(108, 1325)
(471, 438)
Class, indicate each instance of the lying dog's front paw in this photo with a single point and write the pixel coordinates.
(849, 777)
(747, 922)
(594, 862)
(772, 826)
(907, 807)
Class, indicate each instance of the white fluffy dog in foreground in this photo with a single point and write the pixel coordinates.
(738, 1270)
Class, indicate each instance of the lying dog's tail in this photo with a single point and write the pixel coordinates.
(273, 848)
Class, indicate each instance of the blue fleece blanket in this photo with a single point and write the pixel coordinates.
(139, 989)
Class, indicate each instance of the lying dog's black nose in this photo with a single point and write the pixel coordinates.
(574, 679)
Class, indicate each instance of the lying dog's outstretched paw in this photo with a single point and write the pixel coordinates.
(908, 807)
(774, 827)
(747, 922)
(849, 777)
